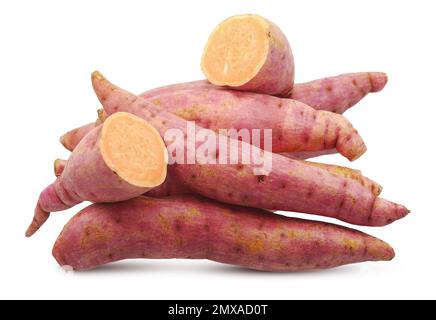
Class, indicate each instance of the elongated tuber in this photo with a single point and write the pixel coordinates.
(194, 228)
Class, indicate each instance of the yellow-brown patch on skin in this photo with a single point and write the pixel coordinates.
(164, 221)
(190, 113)
(298, 234)
(208, 172)
(375, 252)
(350, 243)
(94, 234)
(148, 201)
(157, 102)
(256, 245)
(193, 212)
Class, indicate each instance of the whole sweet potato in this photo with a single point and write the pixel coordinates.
(193, 228)
(171, 186)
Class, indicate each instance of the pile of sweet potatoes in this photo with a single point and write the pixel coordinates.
(156, 196)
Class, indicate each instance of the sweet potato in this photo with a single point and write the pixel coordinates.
(249, 53)
(337, 94)
(194, 228)
(334, 94)
(72, 138)
(295, 126)
(172, 187)
(118, 160)
(290, 185)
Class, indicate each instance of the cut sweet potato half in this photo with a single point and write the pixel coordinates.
(134, 150)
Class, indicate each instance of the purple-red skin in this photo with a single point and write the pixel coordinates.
(86, 177)
(189, 227)
(172, 186)
(72, 138)
(337, 94)
(290, 186)
(334, 94)
(295, 126)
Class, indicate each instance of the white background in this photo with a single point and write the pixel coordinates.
(48, 50)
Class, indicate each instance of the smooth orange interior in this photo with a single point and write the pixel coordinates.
(134, 150)
(236, 50)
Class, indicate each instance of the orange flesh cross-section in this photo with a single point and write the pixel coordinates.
(236, 50)
(134, 150)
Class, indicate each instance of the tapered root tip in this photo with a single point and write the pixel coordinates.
(96, 75)
(65, 142)
(378, 81)
(385, 212)
(378, 250)
(39, 218)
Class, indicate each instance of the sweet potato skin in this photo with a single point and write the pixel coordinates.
(295, 126)
(339, 93)
(195, 228)
(172, 186)
(291, 185)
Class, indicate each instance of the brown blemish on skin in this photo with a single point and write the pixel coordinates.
(341, 204)
(240, 166)
(371, 84)
(329, 88)
(301, 113)
(283, 185)
(193, 176)
(280, 105)
(206, 227)
(261, 178)
(354, 82)
(309, 194)
(178, 227)
(282, 235)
